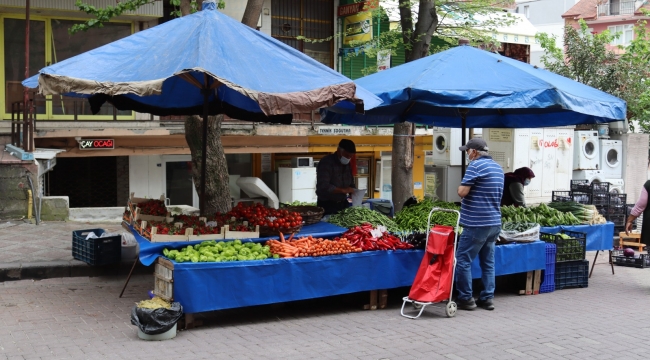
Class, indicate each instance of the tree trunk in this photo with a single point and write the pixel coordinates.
(252, 13)
(402, 159)
(186, 7)
(416, 43)
(217, 191)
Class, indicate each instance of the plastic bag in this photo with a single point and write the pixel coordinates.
(529, 235)
(357, 196)
(91, 235)
(128, 239)
(156, 321)
(107, 234)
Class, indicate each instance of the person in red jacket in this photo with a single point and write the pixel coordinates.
(513, 186)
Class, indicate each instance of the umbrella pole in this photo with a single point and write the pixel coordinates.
(463, 117)
(206, 99)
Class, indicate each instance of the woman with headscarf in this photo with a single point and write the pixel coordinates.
(513, 186)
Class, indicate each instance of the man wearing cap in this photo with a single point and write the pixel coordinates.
(334, 178)
(480, 215)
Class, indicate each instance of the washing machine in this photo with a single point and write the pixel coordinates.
(611, 158)
(617, 186)
(586, 154)
(446, 142)
(591, 175)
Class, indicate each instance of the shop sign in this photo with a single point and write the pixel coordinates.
(383, 60)
(500, 135)
(334, 130)
(358, 28)
(355, 8)
(96, 144)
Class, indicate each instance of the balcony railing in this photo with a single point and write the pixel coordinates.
(614, 8)
(22, 127)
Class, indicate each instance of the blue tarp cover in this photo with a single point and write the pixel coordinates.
(515, 258)
(498, 91)
(143, 72)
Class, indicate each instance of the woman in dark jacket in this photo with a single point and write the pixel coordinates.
(513, 186)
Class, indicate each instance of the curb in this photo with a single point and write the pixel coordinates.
(59, 269)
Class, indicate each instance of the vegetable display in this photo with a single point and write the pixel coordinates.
(369, 238)
(258, 214)
(213, 251)
(153, 207)
(414, 217)
(417, 239)
(309, 246)
(542, 214)
(358, 215)
(298, 203)
(587, 214)
(517, 227)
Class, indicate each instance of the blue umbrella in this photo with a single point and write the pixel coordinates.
(465, 86)
(203, 64)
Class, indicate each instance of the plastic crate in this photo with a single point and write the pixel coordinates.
(580, 185)
(593, 188)
(561, 196)
(581, 197)
(617, 199)
(571, 274)
(617, 219)
(600, 199)
(640, 261)
(600, 187)
(548, 284)
(567, 249)
(602, 210)
(96, 251)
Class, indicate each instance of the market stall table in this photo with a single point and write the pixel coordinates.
(209, 286)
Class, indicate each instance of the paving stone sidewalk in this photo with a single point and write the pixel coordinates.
(83, 318)
(49, 241)
(29, 251)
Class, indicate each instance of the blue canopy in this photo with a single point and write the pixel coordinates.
(164, 71)
(492, 90)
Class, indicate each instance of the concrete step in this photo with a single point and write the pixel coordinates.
(57, 269)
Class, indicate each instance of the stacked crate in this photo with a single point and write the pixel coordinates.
(613, 207)
(571, 268)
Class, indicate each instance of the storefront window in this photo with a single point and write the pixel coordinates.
(14, 58)
(240, 164)
(65, 45)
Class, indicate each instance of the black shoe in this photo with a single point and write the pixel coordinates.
(485, 304)
(469, 304)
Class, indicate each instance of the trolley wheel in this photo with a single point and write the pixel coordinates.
(417, 306)
(450, 309)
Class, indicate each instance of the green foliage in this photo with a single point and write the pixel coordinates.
(587, 59)
(474, 20)
(102, 15)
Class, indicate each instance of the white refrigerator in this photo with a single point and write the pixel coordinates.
(297, 184)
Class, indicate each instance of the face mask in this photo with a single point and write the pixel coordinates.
(526, 182)
(467, 158)
(344, 160)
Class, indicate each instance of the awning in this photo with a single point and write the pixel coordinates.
(521, 32)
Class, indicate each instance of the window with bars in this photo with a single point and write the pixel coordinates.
(311, 19)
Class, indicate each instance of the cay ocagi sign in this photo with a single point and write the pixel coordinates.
(96, 144)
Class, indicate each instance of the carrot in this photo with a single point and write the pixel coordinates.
(291, 237)
(281, 237)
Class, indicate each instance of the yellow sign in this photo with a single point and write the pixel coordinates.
(358, 27)
(500, 135)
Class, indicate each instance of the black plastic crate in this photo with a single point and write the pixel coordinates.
(96, 251)
(603, 210)
(600, 199)
(618, 199)
(571, 274)
(581, 197)
(580, 185)
(617, 219)
(593, 188)
(571, 249)
(617, 209)
(561, 196)
(640, 261)
(600, 187)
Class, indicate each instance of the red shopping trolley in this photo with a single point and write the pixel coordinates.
(434, 281)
